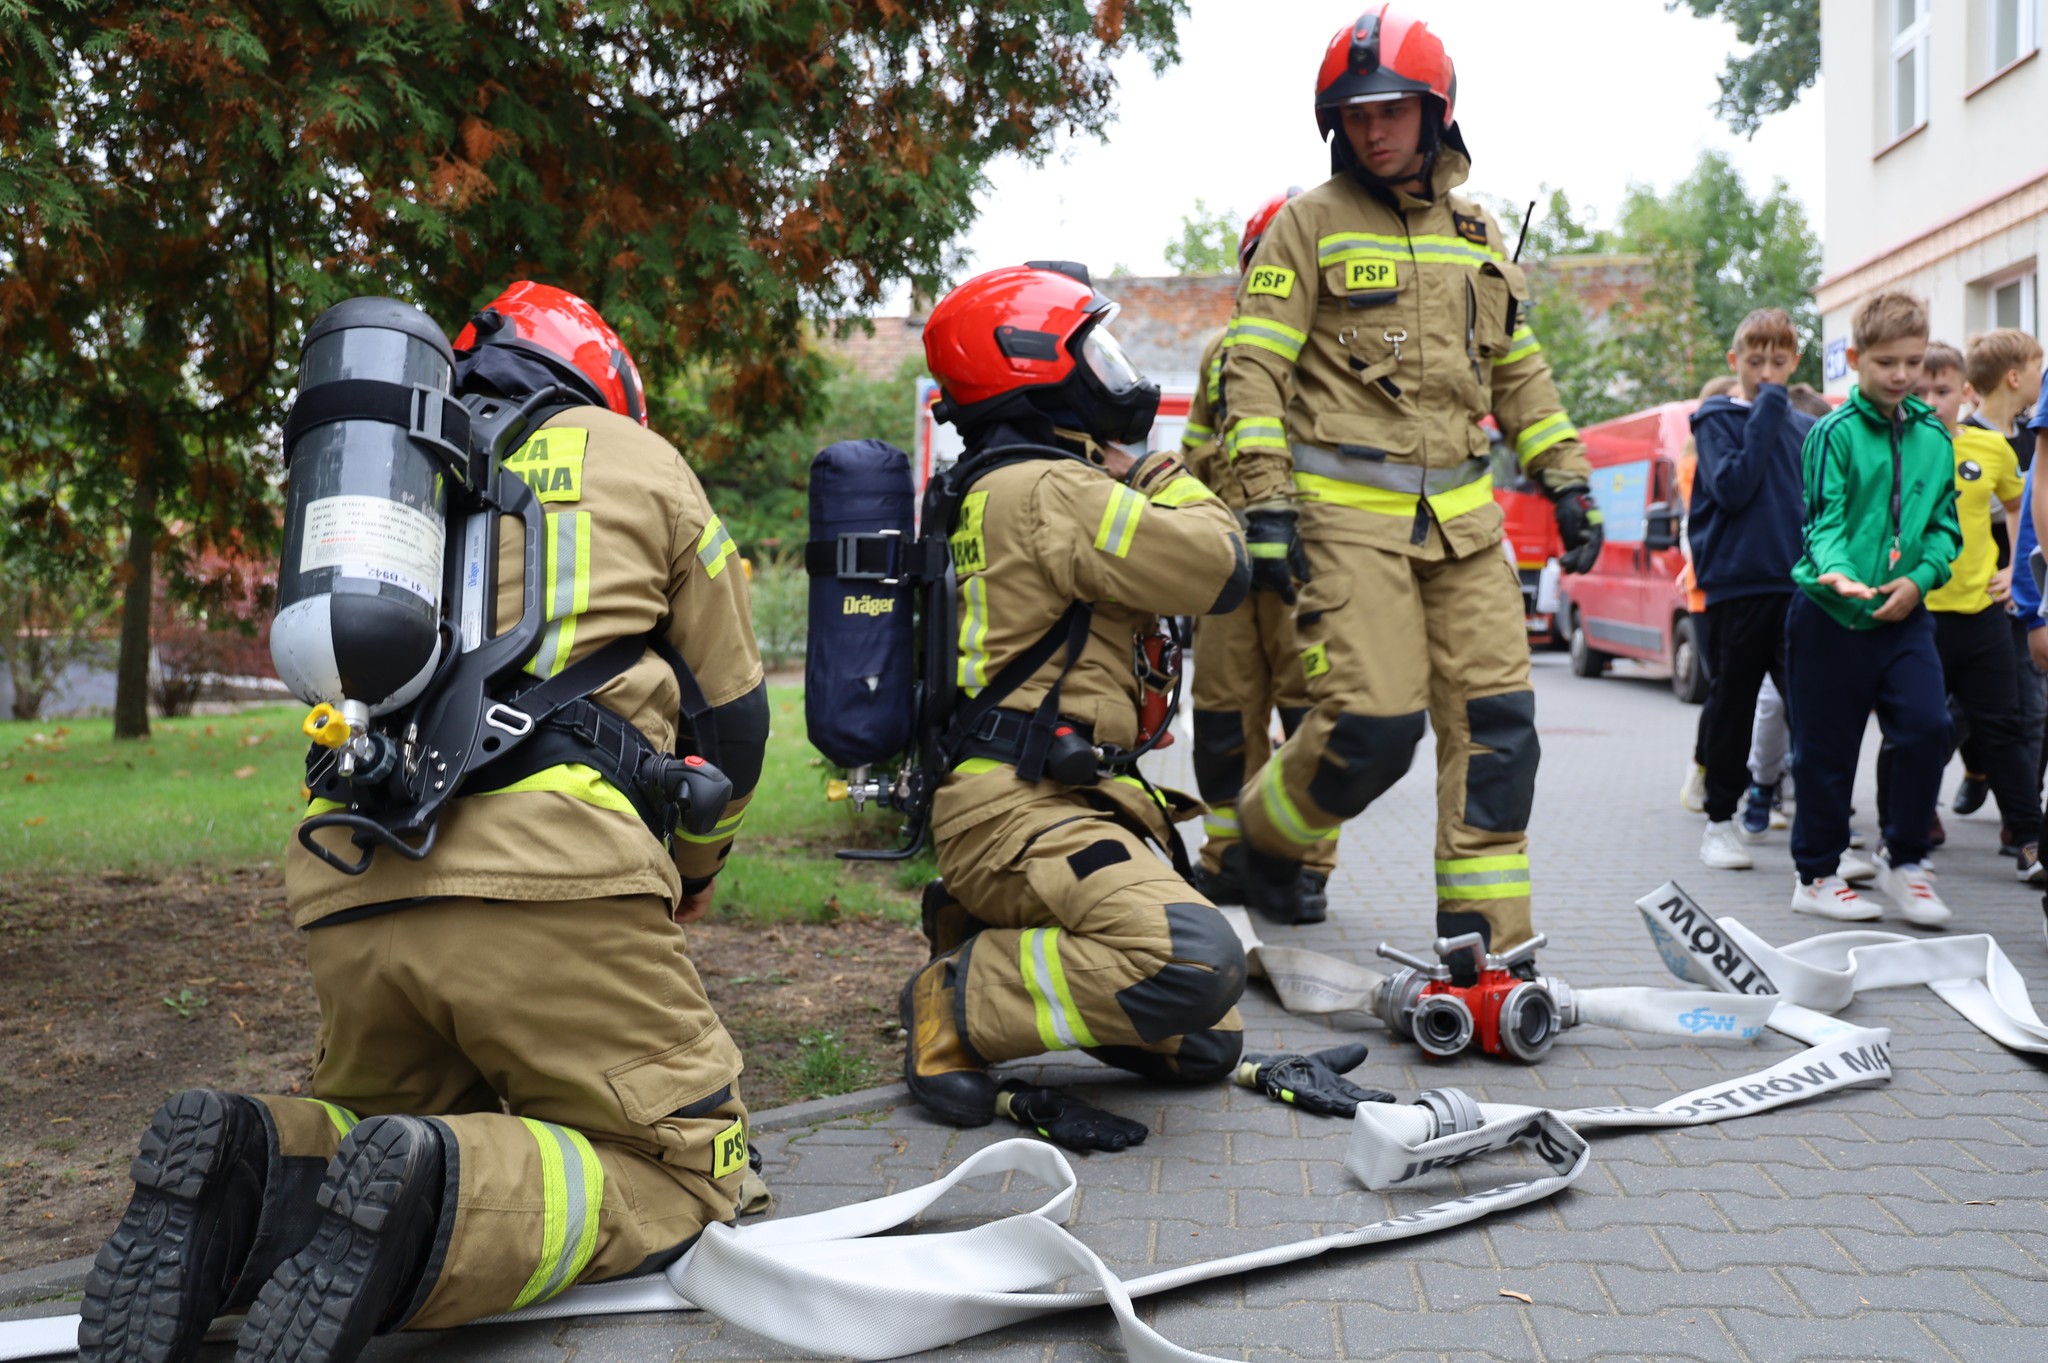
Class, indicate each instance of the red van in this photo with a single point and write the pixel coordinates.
(1631, 605)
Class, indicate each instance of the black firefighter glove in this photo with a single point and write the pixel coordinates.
(1579, 525)
(1067, 1121)
(1314, 1083)
(1274, 545)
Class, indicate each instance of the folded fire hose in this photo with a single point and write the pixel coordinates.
(833, 1283)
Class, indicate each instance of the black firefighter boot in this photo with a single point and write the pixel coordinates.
(1275, 888)
(216, 1208)
(940, 1068)
(366, 1268)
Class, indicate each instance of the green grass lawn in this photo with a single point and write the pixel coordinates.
(223, 791)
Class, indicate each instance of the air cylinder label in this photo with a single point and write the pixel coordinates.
(375, 538)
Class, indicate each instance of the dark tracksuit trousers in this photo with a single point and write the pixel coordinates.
(1982, 677)
(1747, 636)
(1836, 677)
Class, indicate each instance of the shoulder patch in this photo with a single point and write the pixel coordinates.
(1272, 280)
(551, 463)
(1472, 229)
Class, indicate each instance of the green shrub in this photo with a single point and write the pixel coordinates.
(781, 592)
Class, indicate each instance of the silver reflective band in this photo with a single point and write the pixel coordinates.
(1385, 474)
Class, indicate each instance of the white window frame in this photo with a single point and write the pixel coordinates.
(2030, 300)
(1913, 40)
(2026, 15)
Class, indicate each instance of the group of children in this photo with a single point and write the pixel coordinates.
(1869, 558)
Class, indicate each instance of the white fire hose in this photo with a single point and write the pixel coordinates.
(832, 1283)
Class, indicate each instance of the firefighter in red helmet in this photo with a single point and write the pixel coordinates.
(1381, 321)
(1246, 662)
(1069, 540)
(520, 1084)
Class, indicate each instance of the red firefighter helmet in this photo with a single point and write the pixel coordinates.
(1385, 55)
(565, 333)
(1256, 225)
(1037, 336)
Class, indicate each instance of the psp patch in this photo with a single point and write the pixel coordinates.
(552, 463)
(1363, 275)
(1271, 280)
(1315, 661)
(729, 1150)
(1471, 229)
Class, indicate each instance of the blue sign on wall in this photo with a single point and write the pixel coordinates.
(1835, 360)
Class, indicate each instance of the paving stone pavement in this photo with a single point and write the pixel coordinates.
(1907, 1222)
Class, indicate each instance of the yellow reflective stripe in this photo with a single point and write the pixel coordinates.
(1119, 522)
(973, 672)
(576, 781)
(1552, 430)
(714, 547)
(1282, 811)
(1183, 490)
(727, 827)
(572, 1191)
(1342, 246)
(1060, 1027)
(1472, 865)
(1152, 793)
(1221, 823)
(322, 807)
(1256, 433)
(344, 1120)
(1194, 435)
(1460, 500)
(975, 766)
(1359, 497)
(567, 591)
(1501, 877)
(1266, 334)
(1425, 249)
(1521, 346)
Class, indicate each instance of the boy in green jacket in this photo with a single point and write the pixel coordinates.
(1880, 534)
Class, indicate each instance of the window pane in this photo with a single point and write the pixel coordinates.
(2005, 305)
(1905, 89)
(2005, 32)
(1904, 12)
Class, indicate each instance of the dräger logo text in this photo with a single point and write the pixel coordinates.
(869, 605)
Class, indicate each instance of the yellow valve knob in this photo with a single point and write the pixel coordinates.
(835, 791)
(325, 726)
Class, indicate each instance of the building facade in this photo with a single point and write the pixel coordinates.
(1937, 164)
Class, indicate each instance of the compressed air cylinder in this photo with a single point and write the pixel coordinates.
(359, 588)
(860, 669)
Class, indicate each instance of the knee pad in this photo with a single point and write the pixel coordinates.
(1201, 980)
(1500, 784)
(1366, 755)
(1219, 754)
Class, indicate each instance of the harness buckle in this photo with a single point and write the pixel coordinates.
(871, 557)
(514, 722)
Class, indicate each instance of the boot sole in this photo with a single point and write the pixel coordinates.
(925, 1098)
(313, 1309)
(140, 1299)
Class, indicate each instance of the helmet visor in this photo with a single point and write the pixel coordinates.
(1106, 360)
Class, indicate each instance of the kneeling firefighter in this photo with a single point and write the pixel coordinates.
(520, 1084)
(1066, 545)
(1380, 323)
(1247, 663)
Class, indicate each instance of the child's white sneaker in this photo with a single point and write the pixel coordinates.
(1721, 847)
(1911, 887)
(1831, 897)
(1854, 867)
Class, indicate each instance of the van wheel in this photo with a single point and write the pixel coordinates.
(1688, 667)
(1587, 661)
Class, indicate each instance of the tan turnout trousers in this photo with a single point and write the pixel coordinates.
(586, 1093)
(1386, 637)
(1247, 665)
(1091, 941)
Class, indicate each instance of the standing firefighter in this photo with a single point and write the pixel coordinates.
(1067, 546)
(519, 1083)
(1246, 662)
(1389, 305)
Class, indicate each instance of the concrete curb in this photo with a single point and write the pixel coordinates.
(54, 1280)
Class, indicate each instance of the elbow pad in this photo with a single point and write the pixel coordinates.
(742, 729)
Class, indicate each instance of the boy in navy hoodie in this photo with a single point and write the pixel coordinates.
(1744, 522)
